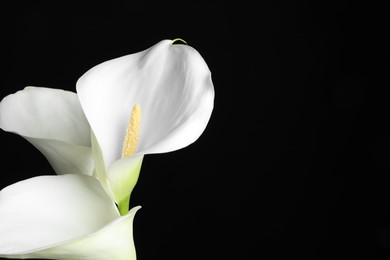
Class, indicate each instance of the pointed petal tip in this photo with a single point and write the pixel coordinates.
(134, 209)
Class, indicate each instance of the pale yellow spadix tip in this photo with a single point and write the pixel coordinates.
(132, 132)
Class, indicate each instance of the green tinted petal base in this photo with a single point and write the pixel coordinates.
(123, 175)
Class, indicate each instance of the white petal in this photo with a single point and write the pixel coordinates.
(53, 121)
(114, 241)
(44, 211)
(119, 180)
(100, 171)
(171, 83)
(64, 157)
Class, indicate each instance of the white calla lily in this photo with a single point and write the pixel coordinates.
(154, 101)
(53, 121)
(170, 88)
(63, 217)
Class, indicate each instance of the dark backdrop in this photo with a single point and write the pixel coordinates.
(294, 161)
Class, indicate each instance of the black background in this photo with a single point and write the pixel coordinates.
(294, 161)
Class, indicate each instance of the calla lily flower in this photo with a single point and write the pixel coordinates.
(54, 122)
(154, 101)
(63, 217)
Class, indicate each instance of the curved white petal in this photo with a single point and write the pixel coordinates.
(171, 83)
(119, 179)
(45, 211)
(100, 171)
(54, 122)
(64, 157)
(114, 241)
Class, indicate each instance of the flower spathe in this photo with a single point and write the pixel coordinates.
(54, 122)
(63, 217)
(170, 84)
